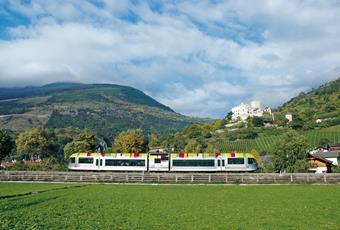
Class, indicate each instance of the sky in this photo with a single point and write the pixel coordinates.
(201, 58)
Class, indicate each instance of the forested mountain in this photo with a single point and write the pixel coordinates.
(107, 109)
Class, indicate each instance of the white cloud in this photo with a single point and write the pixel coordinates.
(200, 58)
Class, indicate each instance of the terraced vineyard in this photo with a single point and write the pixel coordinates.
(264, 143)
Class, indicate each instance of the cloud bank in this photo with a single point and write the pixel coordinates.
(198, 57)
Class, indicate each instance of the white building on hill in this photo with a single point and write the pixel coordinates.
(243, 111)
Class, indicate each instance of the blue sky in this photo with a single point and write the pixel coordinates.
(198, 57)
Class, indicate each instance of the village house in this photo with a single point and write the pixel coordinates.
(319, 164)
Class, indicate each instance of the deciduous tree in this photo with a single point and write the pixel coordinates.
(193, 146)
(6, 144)
(290, 153)
(31, 143)
(130, 141)
(83, 142)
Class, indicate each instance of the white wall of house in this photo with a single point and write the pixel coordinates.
(333, 159)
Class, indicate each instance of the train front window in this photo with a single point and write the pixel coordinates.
(193, 163)
(235, 161)
(72, 160)
(251, 161)
(85, 160)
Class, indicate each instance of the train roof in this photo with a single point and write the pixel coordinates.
(183, 155)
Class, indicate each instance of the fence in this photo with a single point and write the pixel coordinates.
(171, 178)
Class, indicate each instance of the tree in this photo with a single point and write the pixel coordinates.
(211, 149)
(83, 142)
(289, 153)
(324, 142)
(130, 141)
(257, 121)
(31, 143)
(229, 116)
(256, 156)
(6, 144)
(193, 146)
(153, 141)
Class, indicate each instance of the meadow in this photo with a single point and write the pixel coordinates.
(108, 206)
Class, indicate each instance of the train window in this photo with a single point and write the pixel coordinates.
(85, 160)
(72, 160)
(164, 157)
(235, 161)
(157, 161)
(251, 161)
(124, 162)
(193, 163)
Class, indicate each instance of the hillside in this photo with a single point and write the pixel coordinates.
(322, 103)
(316, 115)
(104, 108)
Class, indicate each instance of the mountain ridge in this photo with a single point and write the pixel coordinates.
(104, 108)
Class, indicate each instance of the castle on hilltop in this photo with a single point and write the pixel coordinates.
(243, 111)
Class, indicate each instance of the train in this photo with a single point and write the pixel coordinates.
(163, 162)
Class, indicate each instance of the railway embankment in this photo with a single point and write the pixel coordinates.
(170, 178)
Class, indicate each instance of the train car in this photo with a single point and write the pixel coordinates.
(205, 162)
(163, 162)
(108, 161)
(158, 161)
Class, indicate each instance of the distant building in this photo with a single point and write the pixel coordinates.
(289, 117)
(319, 164)
(243, 111)
(332, 156)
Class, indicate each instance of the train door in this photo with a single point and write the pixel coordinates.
(221, 164)
(99, 163)
(159, 162)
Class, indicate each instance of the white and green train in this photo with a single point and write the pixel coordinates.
(166, 162)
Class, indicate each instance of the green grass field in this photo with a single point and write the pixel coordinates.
(171, 207)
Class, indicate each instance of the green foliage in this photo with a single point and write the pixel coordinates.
(193, 146)
(105, 109)
(153, 141)
(7, 144)
(130, 141)
(83, 142)
(31, 144)
(321, 103)
(257, 121)
(290, 153)
(48, 164)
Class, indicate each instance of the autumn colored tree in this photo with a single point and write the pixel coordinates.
(256, 156)
(130, 141)
(31, 143)
(154, 141)
(193, 146)
(211, 149)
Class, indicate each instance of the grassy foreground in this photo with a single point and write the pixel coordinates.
(170, 207)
